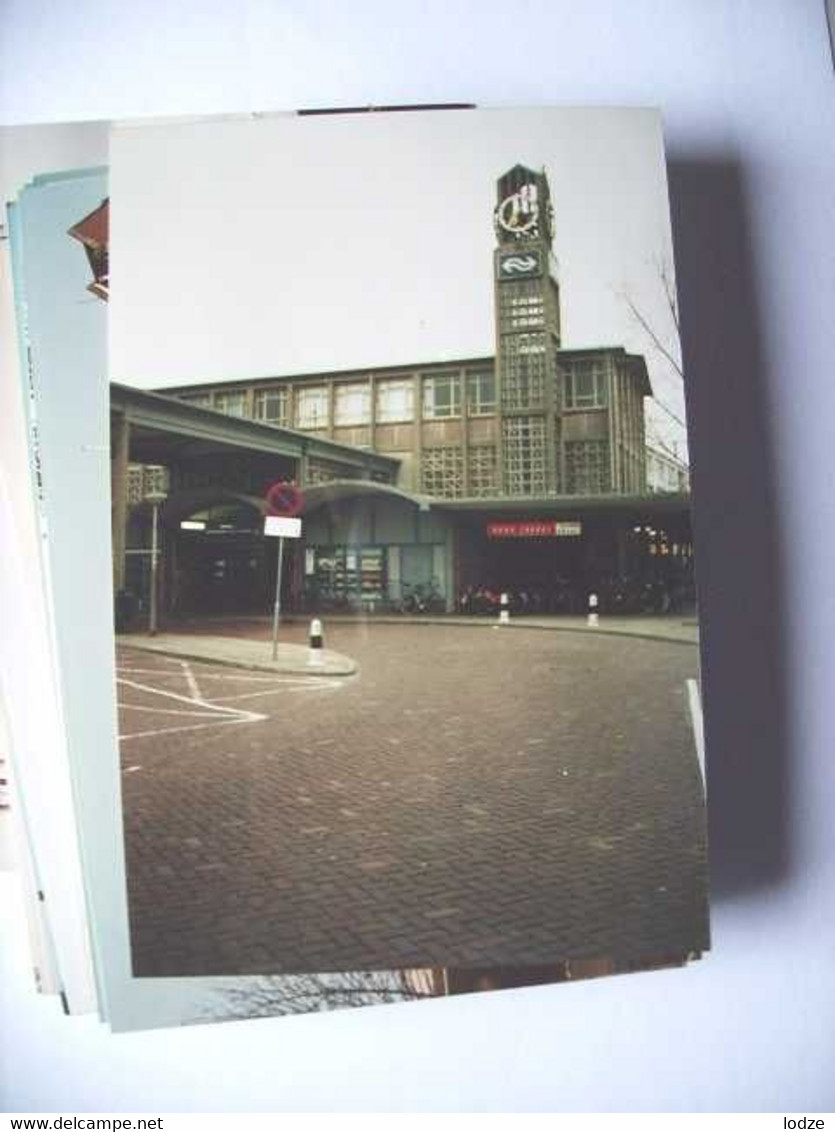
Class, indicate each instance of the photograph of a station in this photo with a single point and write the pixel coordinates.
(504, 771)
(434, 485)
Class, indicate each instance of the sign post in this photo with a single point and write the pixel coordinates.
(277, 605)
(284, 502)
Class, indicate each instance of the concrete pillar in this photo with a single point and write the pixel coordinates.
(303, 468)
(120, 459)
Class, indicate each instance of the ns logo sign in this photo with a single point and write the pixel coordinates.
(518, 266)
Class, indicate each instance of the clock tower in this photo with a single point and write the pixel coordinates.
(527, 335)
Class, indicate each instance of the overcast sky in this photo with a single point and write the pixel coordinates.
(251, 247)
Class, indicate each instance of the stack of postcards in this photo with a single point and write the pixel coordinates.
(351, 651)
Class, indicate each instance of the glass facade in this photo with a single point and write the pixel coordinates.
(312, 406)
(353, 404)
(584, 384)
(450, 448)
(483, 471)
(525, 456)
(272, 405)
(441, 396)
(587, 467)
(524, 370)
(521, 306)
(395, 401)
(232, 402)
(442, 471)
(481, 392)
(347, 577)
(369, 577)
(325, 471)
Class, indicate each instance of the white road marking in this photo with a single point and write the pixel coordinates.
(181, 699)
(215, 712)
(165, 674)
(319, 686)
(193, 727)
(278, 678)
(190, 680)
(164, 710)
(698, 723)
(158, 656)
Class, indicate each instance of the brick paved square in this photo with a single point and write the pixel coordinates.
(469, 798)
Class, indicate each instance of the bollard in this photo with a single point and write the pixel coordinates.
(315, 653)
(504, 611)
(593, 619)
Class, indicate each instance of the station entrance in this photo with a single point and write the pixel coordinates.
(220, 574)
(545, 565)
(635, 560)
(374, 553)
(221, 563)
(214, 559)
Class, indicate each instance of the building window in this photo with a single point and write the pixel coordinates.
(312, 407)
(441, 396)
(521, 306)
(135, 491)
(353, 404)
(525, 461)
(347, 577)
(524, 363)
(481, 393)
(232, 403)
(482, 470)
(587, 470)
(585, 385)
(395, 401)
(442, 471)
(271, 406)
(227, 470)
(326, 471)
(201, 400)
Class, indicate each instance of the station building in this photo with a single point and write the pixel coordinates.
(521, 471)
(666, 471)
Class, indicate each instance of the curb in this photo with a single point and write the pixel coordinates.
(486, 623)
(584, 630)
(350, 667)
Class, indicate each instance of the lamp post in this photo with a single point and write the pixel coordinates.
(155, 500)
(156, 492)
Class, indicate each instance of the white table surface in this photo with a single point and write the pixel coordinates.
(747, 90)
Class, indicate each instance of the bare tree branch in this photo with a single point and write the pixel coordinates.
(672, 303)
(657, 441)
(271, 995)
(656, 341)
(666, 276)
(669, 412)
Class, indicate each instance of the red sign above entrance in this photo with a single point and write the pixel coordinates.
(285, 499)
(534, 528)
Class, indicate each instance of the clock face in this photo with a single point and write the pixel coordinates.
(518, 214)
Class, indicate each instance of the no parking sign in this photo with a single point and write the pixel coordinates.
(284, 502)
(285, 499)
